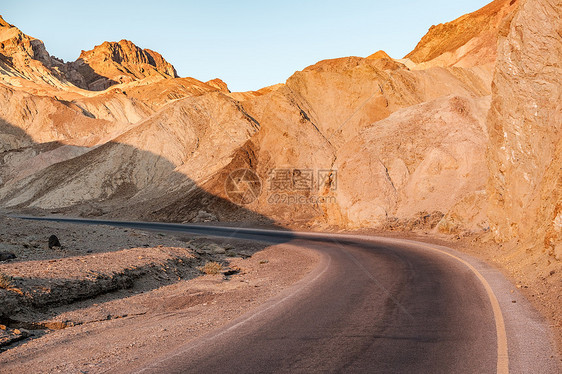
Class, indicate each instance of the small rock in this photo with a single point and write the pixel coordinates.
(4, 256)
(215, 249)
(54, 242)
(203, 216)
(23, 332)
(231, 272)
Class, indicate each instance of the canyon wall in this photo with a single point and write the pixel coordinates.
(525, 129)
(408, 138)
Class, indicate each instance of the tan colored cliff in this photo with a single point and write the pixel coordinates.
(525, 126)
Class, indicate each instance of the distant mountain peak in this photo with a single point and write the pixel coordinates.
(3, 23)
(23, 57)
(218, 83)
(469, 40)
(379, 54)
(119, 62)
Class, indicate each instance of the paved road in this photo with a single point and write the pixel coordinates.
(373, 305)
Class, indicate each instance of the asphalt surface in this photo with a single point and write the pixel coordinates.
(373, 305)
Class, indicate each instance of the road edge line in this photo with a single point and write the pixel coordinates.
(501, 334)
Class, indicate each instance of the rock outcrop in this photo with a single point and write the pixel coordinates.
(219, 84)
(525, 126)
(25, 58)
(467, 41)
(427, 157)
(24, 61)
(343, 96)
(111, 63)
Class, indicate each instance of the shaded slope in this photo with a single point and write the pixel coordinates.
(144, 162)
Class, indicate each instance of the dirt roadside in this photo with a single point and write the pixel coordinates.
(94, 305)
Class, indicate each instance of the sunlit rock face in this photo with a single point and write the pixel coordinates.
(24, 61)
(117, 62)
(467, 41)
(25, 58)
(525, 125)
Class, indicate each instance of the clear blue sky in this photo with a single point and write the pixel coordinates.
(248, 44)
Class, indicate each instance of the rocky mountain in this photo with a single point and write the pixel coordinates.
(382, 141)
(45, 119)
(24, 61)
(322, 115)
(320, 119)
(111, 63)
(23, 58)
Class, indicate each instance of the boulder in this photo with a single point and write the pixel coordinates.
(54, 242)
(4, 256)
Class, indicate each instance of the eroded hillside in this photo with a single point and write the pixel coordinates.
(117, 133)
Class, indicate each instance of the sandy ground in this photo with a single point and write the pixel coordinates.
(116, 306)
(156, 322)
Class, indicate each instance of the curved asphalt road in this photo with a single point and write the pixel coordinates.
(373, 305)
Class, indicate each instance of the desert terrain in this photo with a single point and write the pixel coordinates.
(458, 144)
